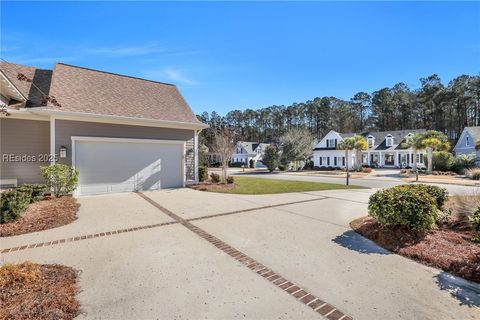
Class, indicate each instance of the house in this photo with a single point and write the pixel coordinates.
(121, 133)
(249, 153)
(467, 142)
(385, 149)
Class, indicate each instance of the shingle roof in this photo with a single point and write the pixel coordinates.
(380, 141)
(85, 90)
(474, 131)
(251, 147)
(40, 77)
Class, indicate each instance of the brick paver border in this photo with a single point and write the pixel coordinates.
(301, 294)
(110, 233)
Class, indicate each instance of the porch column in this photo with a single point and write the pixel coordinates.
(380, 164)
(396, 159)
(196, 155)
(368, 157)
(409, 157)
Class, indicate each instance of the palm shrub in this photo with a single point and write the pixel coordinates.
(405, 205)
(464, 162)
(473, 174)
(62, 179)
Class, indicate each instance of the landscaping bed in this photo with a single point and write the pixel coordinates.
(38, 291)
(45, 214)
(443, 248)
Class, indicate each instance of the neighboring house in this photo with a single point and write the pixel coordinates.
(385, 149)
(466, 143)
(122, 133)
(248, 151)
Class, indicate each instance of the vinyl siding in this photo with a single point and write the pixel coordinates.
(65, 129)
(23, 137)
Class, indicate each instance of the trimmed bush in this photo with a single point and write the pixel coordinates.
(439, 194)
(36, 192)
(230, 179)
(215, 177)
(12, 204)
(61, 178)
(202, 173)
(474, 220)
(474, 173)
(405, 205)
(442, 161)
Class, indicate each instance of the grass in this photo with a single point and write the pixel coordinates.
(248, 185)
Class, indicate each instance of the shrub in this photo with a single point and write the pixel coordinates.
(230, 179)
(439, 194)
(442, 161)
(463, 162)
(404, 205)
(202, 173)
(61, 178)
(474, 220)
(281, 167)
(12, 204)
(215, 177)
(36, 192)
(474, 173)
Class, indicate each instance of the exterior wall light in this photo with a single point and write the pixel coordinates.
(63, 152)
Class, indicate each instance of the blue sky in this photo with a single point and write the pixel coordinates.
(241, 55)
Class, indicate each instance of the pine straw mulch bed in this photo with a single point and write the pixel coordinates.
(443, 248)
(42, 215)
(38, 291)
(212, 186)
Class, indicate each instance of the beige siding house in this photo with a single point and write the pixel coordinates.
(122, 133)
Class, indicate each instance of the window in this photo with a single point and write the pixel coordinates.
(467, 141)
(324, 161)
(331, 143)
(420, 158)
(371, 142)
(389, 141)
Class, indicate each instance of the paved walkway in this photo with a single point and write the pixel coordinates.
(209, 255)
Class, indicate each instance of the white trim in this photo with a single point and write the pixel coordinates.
(130, 140)
(13, 86)
(91, 117)
(195, 142)
(25, 115)
(52, 140)
(460, 139)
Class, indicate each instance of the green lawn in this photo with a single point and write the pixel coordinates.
(248, 185)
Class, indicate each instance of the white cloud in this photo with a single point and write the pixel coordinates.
(170, 75)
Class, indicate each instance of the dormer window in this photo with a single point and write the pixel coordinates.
(389, 141)
(331, 143)
(371, 141)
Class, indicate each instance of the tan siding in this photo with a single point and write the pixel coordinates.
(65, 129)
(23, 137)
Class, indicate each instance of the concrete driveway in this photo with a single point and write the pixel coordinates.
(187, 254)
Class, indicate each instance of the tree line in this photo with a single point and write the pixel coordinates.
(433, 106)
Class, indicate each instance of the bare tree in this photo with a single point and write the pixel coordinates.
(223, 146)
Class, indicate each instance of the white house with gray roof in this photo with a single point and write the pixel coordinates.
(246, 151)
(385, 149)
(467, 141)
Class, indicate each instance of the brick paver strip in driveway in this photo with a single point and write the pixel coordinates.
(294, 290)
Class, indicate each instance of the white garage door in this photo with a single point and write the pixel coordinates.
(122, 165)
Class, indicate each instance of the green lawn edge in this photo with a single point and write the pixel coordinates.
(251, 185)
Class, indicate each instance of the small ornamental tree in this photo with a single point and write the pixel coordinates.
(347, 144)
(61, 178)
(434, 141)
(224, 147)
(360, 145)
(415, 142)
(271, 157)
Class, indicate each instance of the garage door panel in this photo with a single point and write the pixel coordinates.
(127, 166)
